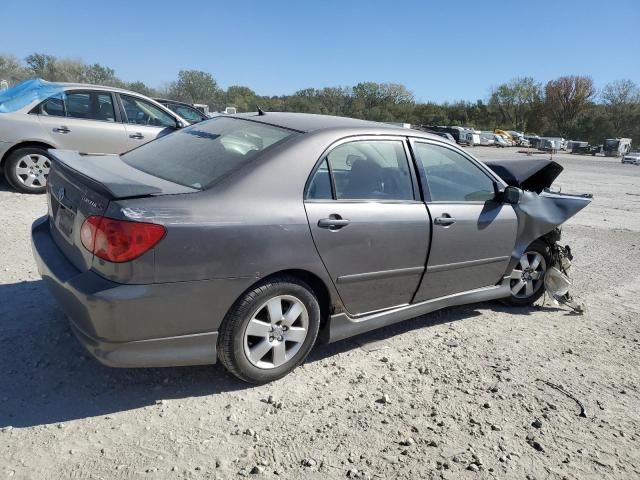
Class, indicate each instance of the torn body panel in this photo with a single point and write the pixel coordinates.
(540, 214)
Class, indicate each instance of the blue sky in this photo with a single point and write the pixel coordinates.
(442, 51)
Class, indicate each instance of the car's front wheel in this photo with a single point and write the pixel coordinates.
(26, 169)
(527, 278)
(270, 330)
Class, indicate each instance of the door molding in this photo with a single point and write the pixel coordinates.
(399, 272)
(468, 263)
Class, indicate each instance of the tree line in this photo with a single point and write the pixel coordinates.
(569, 106)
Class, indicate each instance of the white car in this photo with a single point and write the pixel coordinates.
(632, 157)
(36, 116)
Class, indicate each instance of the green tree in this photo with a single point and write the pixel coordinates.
(622, 102)
(566, 98)
(513, 101)
(195, 86)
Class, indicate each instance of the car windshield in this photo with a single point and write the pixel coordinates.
(200, 155)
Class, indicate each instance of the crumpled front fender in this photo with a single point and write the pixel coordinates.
(539, 214)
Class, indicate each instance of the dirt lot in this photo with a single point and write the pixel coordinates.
(456, 394)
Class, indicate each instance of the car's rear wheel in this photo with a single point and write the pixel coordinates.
(527, 278)
(270, 330)
(27, 168)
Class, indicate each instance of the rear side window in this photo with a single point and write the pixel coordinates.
(83, 105)
(202, 154)
(90, 106)
(53, 106)
(371, 170)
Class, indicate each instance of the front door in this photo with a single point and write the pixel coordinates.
(368, 226)
(83, 120)
(473, 234)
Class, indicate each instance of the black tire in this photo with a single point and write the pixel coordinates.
(13, 162)
(231, 336)
(541, 247)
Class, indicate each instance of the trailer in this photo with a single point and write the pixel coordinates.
(616, 147)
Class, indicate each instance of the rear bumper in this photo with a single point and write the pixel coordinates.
(125, 325)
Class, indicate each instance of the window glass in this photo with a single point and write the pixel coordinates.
(202, 154)
(450, 177)
(320, 186)
(53, 106)
(190, 114)
(371, 169)
(90, 106)
(140, 112)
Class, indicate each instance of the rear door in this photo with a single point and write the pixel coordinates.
(368, 225)
(144, 121)
(473, 234)
(84, 120)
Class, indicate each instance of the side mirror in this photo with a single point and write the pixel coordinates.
(511, 195)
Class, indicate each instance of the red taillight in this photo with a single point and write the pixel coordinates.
(119, 240)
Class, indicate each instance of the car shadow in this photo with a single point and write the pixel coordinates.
(47, 377)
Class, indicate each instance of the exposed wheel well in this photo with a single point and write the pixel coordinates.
(317, 285)
(23, 145)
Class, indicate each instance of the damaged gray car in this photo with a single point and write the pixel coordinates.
(248, 238)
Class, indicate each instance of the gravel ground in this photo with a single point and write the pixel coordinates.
(455, 394)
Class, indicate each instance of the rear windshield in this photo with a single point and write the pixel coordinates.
(200, 155)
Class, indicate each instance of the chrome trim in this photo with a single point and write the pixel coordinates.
(468, 263)
(360, 277)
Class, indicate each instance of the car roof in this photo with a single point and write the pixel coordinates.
(309, 122)
(166, 100)
(88, 86)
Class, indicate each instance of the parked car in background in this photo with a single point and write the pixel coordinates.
(190, 113)
(36, 116)
(487, 138)
(616, 147)
(245, 238)
(632, 157)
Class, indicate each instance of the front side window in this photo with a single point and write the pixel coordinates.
(202, 154)
(451, 177)
(371, 170)
(139, 112)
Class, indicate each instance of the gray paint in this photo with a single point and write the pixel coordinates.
(390, 260)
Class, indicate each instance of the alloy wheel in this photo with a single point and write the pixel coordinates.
(528, 276)
(276, 332)
(32, 170)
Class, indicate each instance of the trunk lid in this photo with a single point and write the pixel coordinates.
(81, 185)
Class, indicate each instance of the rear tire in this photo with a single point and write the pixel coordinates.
(527, 278)
(270, 330)
(26, 169)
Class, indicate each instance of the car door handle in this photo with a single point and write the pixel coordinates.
(334, 222)
(445, 220)
(137, 136)
(62, 129)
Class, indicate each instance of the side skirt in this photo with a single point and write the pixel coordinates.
(343, 325)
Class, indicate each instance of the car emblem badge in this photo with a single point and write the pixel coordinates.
(61, 193)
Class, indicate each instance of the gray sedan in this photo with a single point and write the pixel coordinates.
(246, 238)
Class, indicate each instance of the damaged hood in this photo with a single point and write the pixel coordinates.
(533, 174)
